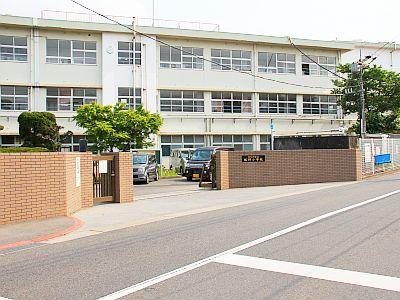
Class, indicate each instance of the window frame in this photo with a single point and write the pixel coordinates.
(195, 61)
(134, 53)
(71, 99)
(276, 69)
(315, 69)
(179, 102)
(72, 58)
(198, 141)
(316, 105)
(274, 103)
(13, 46)
(223, 60)
(231, 140)
(14, 97)
(134, 98)
(226, 105)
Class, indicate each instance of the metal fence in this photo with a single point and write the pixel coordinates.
(379, 155)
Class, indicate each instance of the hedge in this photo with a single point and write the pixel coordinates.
(22, 149)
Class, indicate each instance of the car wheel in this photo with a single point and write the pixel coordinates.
(189, 178)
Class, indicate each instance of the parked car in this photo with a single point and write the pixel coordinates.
(179, 159)
(145, 168)
(202, 157)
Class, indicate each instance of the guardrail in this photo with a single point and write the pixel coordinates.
(93, 18)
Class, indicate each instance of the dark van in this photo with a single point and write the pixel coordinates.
(202, 156)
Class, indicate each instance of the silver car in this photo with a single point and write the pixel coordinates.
(179, 158)
(145, 168)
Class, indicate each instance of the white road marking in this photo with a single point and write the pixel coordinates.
(152, 281)
(317, 272)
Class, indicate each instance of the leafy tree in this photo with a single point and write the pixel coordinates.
(382, 98)
(39, 129)
(117, 127)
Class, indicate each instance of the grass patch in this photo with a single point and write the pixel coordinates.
(22, 149)
(166, 172)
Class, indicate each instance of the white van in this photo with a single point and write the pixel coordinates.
(179, 158)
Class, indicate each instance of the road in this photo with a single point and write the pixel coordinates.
(165, 186)
(338, 243)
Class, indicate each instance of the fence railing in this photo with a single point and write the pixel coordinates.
(85, 17)
(379, 155)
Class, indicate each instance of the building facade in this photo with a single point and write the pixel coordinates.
(211, 88)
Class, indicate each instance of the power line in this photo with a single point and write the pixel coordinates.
(194, 55)
(321, 66)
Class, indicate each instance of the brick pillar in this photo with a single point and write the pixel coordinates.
(222, 170)
(86, 179)
(123, 177)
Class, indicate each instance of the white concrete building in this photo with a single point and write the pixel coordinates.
(58, 65)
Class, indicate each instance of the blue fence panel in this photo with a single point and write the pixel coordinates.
(382, 159)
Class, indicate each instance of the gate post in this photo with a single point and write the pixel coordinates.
(123, 177)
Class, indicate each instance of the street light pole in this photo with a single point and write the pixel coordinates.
(363, 123)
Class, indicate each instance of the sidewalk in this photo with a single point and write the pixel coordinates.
(113, 216)
(24, 235)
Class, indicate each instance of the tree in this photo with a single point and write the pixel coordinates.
(39, 129)
(382, 98)
(117, 127)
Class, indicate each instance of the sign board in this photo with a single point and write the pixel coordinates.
(367, 153)
(103, 166)
(77, 171)
(253, 158)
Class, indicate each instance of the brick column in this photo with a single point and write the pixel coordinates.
(123, 177)
(222, 170)
(87, 179)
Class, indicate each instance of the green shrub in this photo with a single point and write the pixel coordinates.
(22, 149)
(39, 129)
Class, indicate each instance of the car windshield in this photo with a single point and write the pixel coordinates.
(201, 155)
(185, 154)
(139, 159)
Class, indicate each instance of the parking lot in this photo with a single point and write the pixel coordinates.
(164, 187)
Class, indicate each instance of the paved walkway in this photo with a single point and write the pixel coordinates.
(113, 216)
(22, 235)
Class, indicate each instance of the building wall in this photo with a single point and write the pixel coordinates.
(287, 167)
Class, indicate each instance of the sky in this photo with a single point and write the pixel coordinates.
(367, 20)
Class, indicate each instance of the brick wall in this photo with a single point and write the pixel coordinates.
(42, 185)
(124, 177)
(287, 167)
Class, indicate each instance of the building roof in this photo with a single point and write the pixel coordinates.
(8, 20)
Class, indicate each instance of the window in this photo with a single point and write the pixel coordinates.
(127, 55)
(231, 102)
(276, 63)
(181, 58)
(10, 141)
(132, 97)
(170, 142)
(181, 101)
(277, 103)
(265, 142)
(309, 66)
(231, 59)
(70, 52)
(69, 99)
(14, 97)
(319, 105)
(71, 143)
(239, 142)
(13, 48)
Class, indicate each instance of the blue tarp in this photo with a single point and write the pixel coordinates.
(382, 159)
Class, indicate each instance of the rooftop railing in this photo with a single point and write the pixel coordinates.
(93, 18)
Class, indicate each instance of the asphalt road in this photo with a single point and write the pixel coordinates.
(165, 186)
(364, 240)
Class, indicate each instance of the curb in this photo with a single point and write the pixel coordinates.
(77, 224)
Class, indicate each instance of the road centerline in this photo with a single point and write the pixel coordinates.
(152, 281)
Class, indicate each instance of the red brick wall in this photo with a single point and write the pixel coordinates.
(287, 167)
(42, 185)
(124, 177)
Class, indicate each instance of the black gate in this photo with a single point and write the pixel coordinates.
(103, 178)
